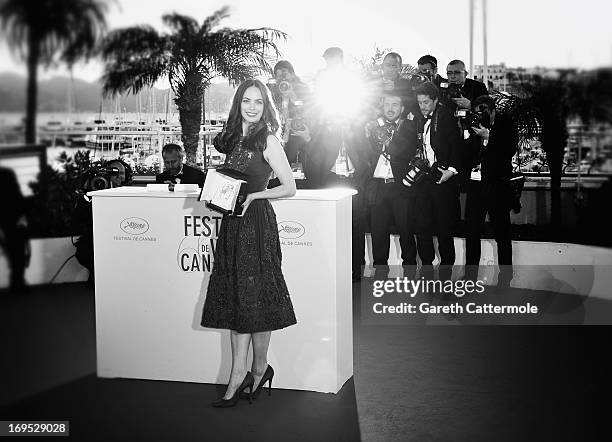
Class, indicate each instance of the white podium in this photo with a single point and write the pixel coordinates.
(153, 256)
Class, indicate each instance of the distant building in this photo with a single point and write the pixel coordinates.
(496, 75)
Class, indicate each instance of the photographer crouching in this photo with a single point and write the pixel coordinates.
(114, 173)
(489, 189)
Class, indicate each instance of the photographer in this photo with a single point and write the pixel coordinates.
(489, 190)
(175, 171)
(391, 81)
(428, 66)
(440, 144)
(115, 173)
(393, 143)
(292, 100)
(339, 150)
(461, 90)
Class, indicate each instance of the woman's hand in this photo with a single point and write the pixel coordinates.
(247, 202)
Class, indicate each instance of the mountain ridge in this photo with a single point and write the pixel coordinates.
(62, 94)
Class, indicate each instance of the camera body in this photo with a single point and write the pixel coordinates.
(296, 122)
(419, 170)
(284, 87)
(417, 79)
(448, 91)
(473, 119)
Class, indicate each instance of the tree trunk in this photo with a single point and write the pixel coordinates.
(32, 88)
(189, 102)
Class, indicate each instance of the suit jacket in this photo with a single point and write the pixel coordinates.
(189, 175)
(445, 137)
(496, 157)
(438, 79)
(13, 203)
(471, 90)
(401, 150)
(325, 148)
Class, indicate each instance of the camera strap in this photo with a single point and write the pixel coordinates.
(391, 130)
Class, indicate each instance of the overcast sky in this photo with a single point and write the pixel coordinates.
(563, 33)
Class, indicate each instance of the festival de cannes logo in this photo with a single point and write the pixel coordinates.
(134, 226)
(290, 229)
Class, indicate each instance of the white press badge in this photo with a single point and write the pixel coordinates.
(343, 165)
(383, 168)
(475, 175)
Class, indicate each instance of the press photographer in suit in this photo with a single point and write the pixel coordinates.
(339, 150)
(436, 195)
(428, 66)
(393, 143)
(292, 98)
(392, 82)
(469, 89)
(489, 190)
(175, 172)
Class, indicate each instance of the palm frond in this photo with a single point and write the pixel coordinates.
(63, 30)
(181, 24)
(240, 54)
(134, 58)
(213, 20)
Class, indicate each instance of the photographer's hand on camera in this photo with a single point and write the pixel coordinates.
(481, 131)
(304, 134)
(462, 102)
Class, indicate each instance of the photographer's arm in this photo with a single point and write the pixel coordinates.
(453, 138)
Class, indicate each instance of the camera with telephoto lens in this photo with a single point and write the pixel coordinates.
(284, 87)
(296, 122)
(98, 177)
(473, 119)
(419, 169)
(378, 131)
(417, 79)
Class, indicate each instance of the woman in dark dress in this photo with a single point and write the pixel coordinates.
(247, 293)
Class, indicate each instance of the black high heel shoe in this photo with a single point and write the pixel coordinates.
(267, 377)
(246, 383)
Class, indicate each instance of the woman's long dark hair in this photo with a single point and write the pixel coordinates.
(255, 139)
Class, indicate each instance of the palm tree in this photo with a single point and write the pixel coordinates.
(44, 32)
(190, 57)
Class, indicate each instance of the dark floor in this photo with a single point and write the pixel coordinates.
(411, 383)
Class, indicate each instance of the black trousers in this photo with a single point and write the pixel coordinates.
(357, 218)
(436, 213)
(391, 208)
(491, 198)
